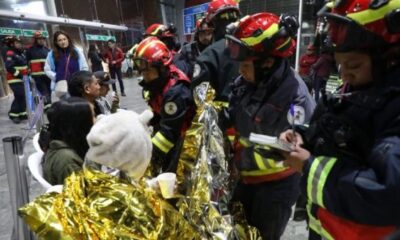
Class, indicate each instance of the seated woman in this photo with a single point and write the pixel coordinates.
(69, 123)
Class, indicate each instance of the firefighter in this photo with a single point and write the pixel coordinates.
(214, 65)
(203, 37)
(167, 35)
(262, 101)
(167, 91)
(350, 154)
(36, 57)
(16, 66)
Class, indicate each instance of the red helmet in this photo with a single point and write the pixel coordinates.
(358, 24)
(219, 6)
(160, 30)
(262, 34)
(38, 35)
(202, 25)
(151, 52)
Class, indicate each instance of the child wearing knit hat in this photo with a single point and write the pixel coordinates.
(122, 141)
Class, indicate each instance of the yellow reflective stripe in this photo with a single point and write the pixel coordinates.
(37, 73)
(146, 95)
(316, 225)
(319, 171)
(244, 142)
(288, 40)
(259, 161)
(156, 30)
(146, 46)
(330, 4)
(21, 67)
(371, 15)
(38, 60)
(16, 73)
(231, 138)
(251, 41)
(13, 114)
(162, 143)
(14, 81)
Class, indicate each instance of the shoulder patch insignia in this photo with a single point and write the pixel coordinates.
(196, 71)
(170, 108)
(299, 115)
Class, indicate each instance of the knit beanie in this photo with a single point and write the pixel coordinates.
(122, 141)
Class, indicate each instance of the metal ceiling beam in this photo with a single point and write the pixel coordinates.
(60, 21)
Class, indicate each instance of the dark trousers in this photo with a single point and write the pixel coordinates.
(319, 85)
(18, 106)
(117, 71)
(43, 86)
(268, 205)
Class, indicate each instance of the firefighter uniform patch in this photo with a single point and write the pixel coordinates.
(170, 108)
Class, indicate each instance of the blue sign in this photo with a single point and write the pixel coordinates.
(191, 15)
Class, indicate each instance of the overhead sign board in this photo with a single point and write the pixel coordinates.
(21, 32)
(104, 38)
(191, 15)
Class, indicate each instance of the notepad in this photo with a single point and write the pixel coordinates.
(270, 141)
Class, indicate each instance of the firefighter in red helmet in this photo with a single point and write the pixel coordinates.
(203, 37)
(266, 98)
(167, 35)
(167, 91)
(214, 65)
(350, 153)
(36, 57)
(16, 67)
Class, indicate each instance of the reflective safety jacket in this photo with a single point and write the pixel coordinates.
(353, 182)
(173, 112)
(16, 65)
(264, 108)
(36, 57)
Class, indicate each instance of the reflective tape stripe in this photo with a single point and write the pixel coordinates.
(37, 73)
(231, 138)
(21, 67)
(17, 114)
(251, 41)
(244, 142)
(288, 40)
(372, 15)
(146, 46)
(43, 60)
(316, 225)
(156, 30)
(14, 81)
(260, 162)
(16, 73)
(162, 143)
(319, 171)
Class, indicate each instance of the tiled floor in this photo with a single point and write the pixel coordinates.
(133, 101)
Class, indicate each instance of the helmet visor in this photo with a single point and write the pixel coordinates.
(140, 64)
(237, 50)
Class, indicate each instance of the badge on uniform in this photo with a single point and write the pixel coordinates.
(170, 108)
(196, 71)
(298, 113)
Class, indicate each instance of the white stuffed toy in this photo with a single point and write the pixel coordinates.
(122, 141)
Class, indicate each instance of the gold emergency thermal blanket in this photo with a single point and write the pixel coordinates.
(95, 205)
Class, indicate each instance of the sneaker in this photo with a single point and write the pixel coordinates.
(16, 120)
(123, 94)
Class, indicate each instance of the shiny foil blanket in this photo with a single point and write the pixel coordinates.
(94, 205)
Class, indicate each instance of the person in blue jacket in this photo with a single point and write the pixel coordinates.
(350, 153)
(64, 59)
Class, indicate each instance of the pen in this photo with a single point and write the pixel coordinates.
(292, 123)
